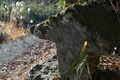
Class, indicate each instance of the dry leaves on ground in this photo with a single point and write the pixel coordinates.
(19, 67)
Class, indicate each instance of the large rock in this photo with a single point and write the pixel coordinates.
(75, 25)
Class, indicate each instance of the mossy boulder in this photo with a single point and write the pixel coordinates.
(77, 24)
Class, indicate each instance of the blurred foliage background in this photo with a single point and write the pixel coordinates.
(26, 10)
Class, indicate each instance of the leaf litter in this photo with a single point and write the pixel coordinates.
(19, 67)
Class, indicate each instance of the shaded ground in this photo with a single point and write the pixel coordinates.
(19, 56)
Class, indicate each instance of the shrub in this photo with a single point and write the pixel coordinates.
(40, 12)
(16, 13)
(5, 9)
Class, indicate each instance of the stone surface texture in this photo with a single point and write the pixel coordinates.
(76, 24)
(48, 70)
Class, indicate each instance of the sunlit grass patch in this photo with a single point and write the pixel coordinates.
(14, 31)
(11, 31)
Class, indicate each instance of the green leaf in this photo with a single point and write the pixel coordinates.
(8, 75)
(64, 72)
(61, 3)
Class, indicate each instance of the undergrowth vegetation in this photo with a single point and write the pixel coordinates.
(17, 16)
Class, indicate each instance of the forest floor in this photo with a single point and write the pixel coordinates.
(29, 52)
